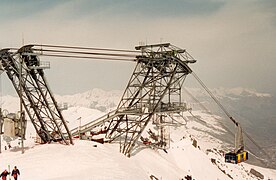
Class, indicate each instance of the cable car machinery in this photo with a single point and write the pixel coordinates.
(155, 82)
(153, 91)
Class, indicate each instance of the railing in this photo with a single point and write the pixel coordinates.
(101, 120)
(41, 65)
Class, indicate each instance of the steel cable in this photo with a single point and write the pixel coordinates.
(86, 57)
(227, 113)
(84, 48)
(86, 53)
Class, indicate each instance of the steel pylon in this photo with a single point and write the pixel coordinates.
(37, 97)
(156, 81)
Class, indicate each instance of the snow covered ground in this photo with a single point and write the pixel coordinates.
(87, 160)
(90, 160)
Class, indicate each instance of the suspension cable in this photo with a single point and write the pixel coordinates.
(214, 98)
(263, 161)
(86, 53)
(208, 111)
(196, 100)
(86, 57)
(228, 115)
(84, 48)
(82, 52)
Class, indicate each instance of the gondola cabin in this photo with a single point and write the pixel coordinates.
(236, 158)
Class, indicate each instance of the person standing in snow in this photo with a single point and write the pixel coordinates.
(15, 173)
(4, 174)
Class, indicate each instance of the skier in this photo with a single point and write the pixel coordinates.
(15, 173)
(4, 174)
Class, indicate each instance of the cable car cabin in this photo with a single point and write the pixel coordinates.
(236, 158)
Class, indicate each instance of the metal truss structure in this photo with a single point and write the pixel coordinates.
(154, 90)
(25, 70)
(152, 94)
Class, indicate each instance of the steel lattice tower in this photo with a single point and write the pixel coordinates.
(37, 98)
(157, 78)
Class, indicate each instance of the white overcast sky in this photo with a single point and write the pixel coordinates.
(234, 41)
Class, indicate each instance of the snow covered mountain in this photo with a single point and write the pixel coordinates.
(94, 99)
(90, 160)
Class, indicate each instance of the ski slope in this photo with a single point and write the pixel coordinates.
(87, 160)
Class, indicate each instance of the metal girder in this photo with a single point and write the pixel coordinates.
(37, 98)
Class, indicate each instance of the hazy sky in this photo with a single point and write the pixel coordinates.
(234, 41)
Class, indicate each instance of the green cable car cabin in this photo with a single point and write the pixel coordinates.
(239, 154)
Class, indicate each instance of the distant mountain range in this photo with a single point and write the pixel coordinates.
(94, 99)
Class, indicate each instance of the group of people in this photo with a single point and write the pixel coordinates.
(15, 173)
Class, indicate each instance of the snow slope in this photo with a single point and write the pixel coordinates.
(84, 161)
(91, 160)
